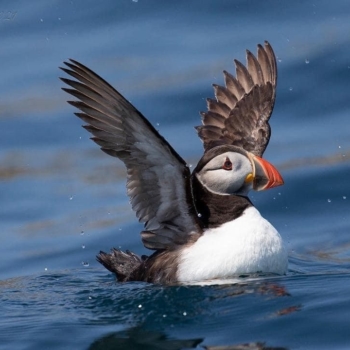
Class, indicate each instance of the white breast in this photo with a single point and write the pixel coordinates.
(248, 244)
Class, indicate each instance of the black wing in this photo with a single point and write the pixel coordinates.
(158, 179)
(239, 116)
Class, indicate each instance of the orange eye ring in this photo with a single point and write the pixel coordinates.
(227, 165)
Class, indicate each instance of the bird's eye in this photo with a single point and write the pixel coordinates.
(227, 165)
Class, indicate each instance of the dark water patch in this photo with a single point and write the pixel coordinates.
(139, 314)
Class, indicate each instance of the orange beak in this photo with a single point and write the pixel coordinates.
(265, 174)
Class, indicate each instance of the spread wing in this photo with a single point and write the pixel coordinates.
(158, 179)
(239, 116)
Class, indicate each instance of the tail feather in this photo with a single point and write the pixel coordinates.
(120, 263)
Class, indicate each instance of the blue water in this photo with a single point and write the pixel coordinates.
(63, 200)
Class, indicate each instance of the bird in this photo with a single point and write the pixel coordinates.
(201, 225)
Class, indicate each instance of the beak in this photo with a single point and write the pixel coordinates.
(265, 174)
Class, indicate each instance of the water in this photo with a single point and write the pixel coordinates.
(63, 200)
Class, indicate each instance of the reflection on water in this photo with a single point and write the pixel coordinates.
(139, 338)
(143, 316)
(246, 346)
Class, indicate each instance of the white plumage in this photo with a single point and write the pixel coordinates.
(248, 244)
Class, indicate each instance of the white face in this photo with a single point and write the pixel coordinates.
(227, 173)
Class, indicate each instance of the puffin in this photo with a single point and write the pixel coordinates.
(201, 225)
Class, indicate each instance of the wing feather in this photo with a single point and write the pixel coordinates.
(217, 107)
(242, 109)
(158, 179)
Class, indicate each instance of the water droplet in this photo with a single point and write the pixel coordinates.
(329, 200)
(344, 197)
(135, 0)
(71, 197)
(41, 20)
(164, 315)
(83, 246)
(339, 146)
(307, 61)
(199, 215)
(82, 233)
(291, 88)
(184, 313)
(85, 264)
(279, 60)
(274, 197)
(45, 269)
(157, 124)
(59, 18)
(279, 193)
(90, 298)
(140, 306)
(79, 137)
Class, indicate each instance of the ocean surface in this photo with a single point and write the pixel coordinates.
(62, 200)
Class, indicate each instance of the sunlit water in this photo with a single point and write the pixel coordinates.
(63, 200)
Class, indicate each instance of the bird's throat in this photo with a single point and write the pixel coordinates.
(214, 209)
